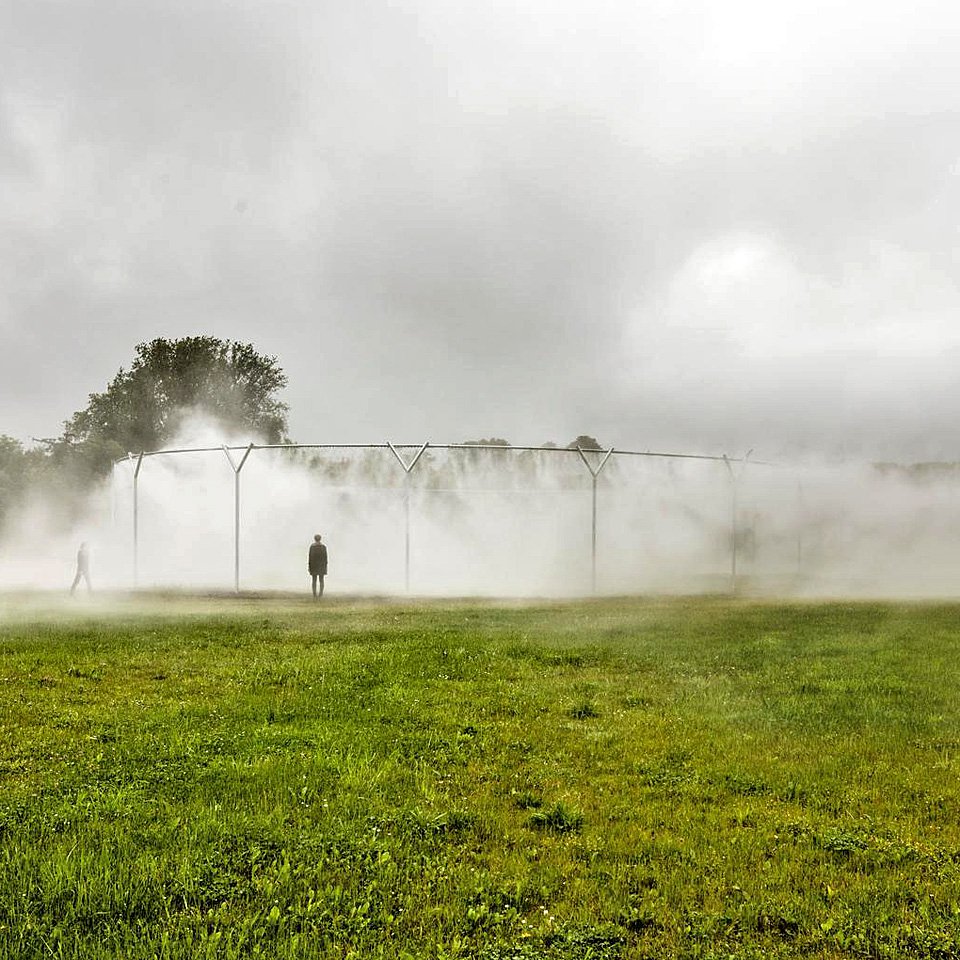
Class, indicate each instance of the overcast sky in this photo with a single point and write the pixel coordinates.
(705, 226)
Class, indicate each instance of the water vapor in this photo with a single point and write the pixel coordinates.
(500, 522)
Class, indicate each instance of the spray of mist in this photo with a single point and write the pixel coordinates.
(497, 523)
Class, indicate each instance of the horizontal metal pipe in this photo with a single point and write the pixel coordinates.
(433, 446)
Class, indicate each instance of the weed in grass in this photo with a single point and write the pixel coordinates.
(527, 800)
(743, 785)
(560, 818)
(673, 770)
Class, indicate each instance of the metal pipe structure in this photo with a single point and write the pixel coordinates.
(733, 529)
(237, 467)
(408, 465)
(594, 473)
(799, 528)
(136, 518)
(407, 468)
(437, 446)
(733, 517)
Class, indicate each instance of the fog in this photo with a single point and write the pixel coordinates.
(500, 523)
(694, 226)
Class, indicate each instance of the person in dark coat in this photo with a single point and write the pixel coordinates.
(317, 566)
(83, 569)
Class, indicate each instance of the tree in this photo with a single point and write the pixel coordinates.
(584, 443)
(14, 474)
(169, 380)
(25, 473)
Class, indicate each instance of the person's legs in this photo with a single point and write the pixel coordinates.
(320, 578)
(73, 586)
(313, 584)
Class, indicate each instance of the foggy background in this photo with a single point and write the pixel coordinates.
(685, 226)
(699, 226)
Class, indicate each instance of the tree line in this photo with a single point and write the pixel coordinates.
(144, 407)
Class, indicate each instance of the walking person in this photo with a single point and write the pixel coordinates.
(83, 569)
(317, 565)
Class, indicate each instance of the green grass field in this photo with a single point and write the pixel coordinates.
(603, 779)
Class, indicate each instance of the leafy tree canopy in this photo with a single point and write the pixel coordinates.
(21, 471)
(13, 473)
(143, 407)
(584, 443)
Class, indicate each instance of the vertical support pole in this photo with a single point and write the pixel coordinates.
(594, 474)
(733, 525)
(406, 553)
(136, 519)
(407, 469)
(593, 539)
(800, 519)
(734, 507)
(734, 536)
(237, 467)
(236, 532)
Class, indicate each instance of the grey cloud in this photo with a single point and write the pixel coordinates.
(488, 219)
(155, 76)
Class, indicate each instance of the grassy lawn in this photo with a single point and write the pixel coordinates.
(602, 779)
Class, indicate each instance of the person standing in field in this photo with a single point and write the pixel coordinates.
(317, 565)
(83, 569)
